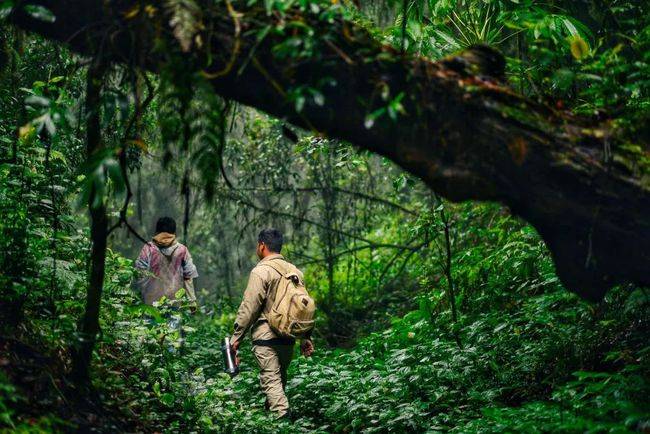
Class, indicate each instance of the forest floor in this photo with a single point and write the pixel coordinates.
(411, 377)
(532, 357)
(41, 388)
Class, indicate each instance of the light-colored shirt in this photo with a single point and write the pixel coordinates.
(165, 270)
(262, 281)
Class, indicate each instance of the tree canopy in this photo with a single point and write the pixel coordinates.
(452, 122)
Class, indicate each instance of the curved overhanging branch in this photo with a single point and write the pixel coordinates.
(461, 131)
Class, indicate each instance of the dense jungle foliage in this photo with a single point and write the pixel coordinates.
(433, 316)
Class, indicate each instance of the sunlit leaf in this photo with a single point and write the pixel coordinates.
(6, 6)
(40, 13)
(39, 101)
(579, 48)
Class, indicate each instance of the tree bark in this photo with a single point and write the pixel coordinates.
(464, 133)
(89, 326)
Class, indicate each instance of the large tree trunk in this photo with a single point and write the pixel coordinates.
(466, 135)
(89, 326)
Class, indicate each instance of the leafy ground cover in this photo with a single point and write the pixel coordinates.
(532, 358)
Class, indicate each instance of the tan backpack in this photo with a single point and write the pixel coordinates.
(290, 311)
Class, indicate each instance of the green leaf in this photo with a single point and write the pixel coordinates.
(35, 100)
(300, 103)
(319, 99)
(570, 27)
(40, 13)
(44, 121)
(370, 118)
(453, 43)
(579, 48)
(167, 399)
(6, 7)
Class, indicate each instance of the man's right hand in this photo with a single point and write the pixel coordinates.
(307, 347)
(235, 348)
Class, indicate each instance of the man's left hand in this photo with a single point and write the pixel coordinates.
(307, 347)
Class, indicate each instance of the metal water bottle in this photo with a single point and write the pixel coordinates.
(229, 364)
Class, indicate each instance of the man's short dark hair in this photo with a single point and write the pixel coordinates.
(272, 238)
(166, 224)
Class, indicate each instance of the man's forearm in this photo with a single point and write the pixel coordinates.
(250, 307)
(189, 288)
(242, 323)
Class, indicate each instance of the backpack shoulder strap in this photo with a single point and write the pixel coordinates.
(286, 270)
(277, 266)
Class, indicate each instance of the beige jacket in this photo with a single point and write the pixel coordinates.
(263, 280)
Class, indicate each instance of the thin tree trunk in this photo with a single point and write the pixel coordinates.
(89, 326)
(451, 293)
(329, 204)
(330, 278)
(55, 225)
(185, 191)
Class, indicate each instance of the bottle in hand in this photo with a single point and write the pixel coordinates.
(229, 363)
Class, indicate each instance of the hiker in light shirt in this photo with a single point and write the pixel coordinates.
(272, 352)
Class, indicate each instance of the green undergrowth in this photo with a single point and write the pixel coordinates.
(544, 365)
(534, 358)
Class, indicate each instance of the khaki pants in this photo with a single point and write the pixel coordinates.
(274, 361)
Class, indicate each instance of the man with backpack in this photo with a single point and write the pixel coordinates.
(165, 266)
(278, 310)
